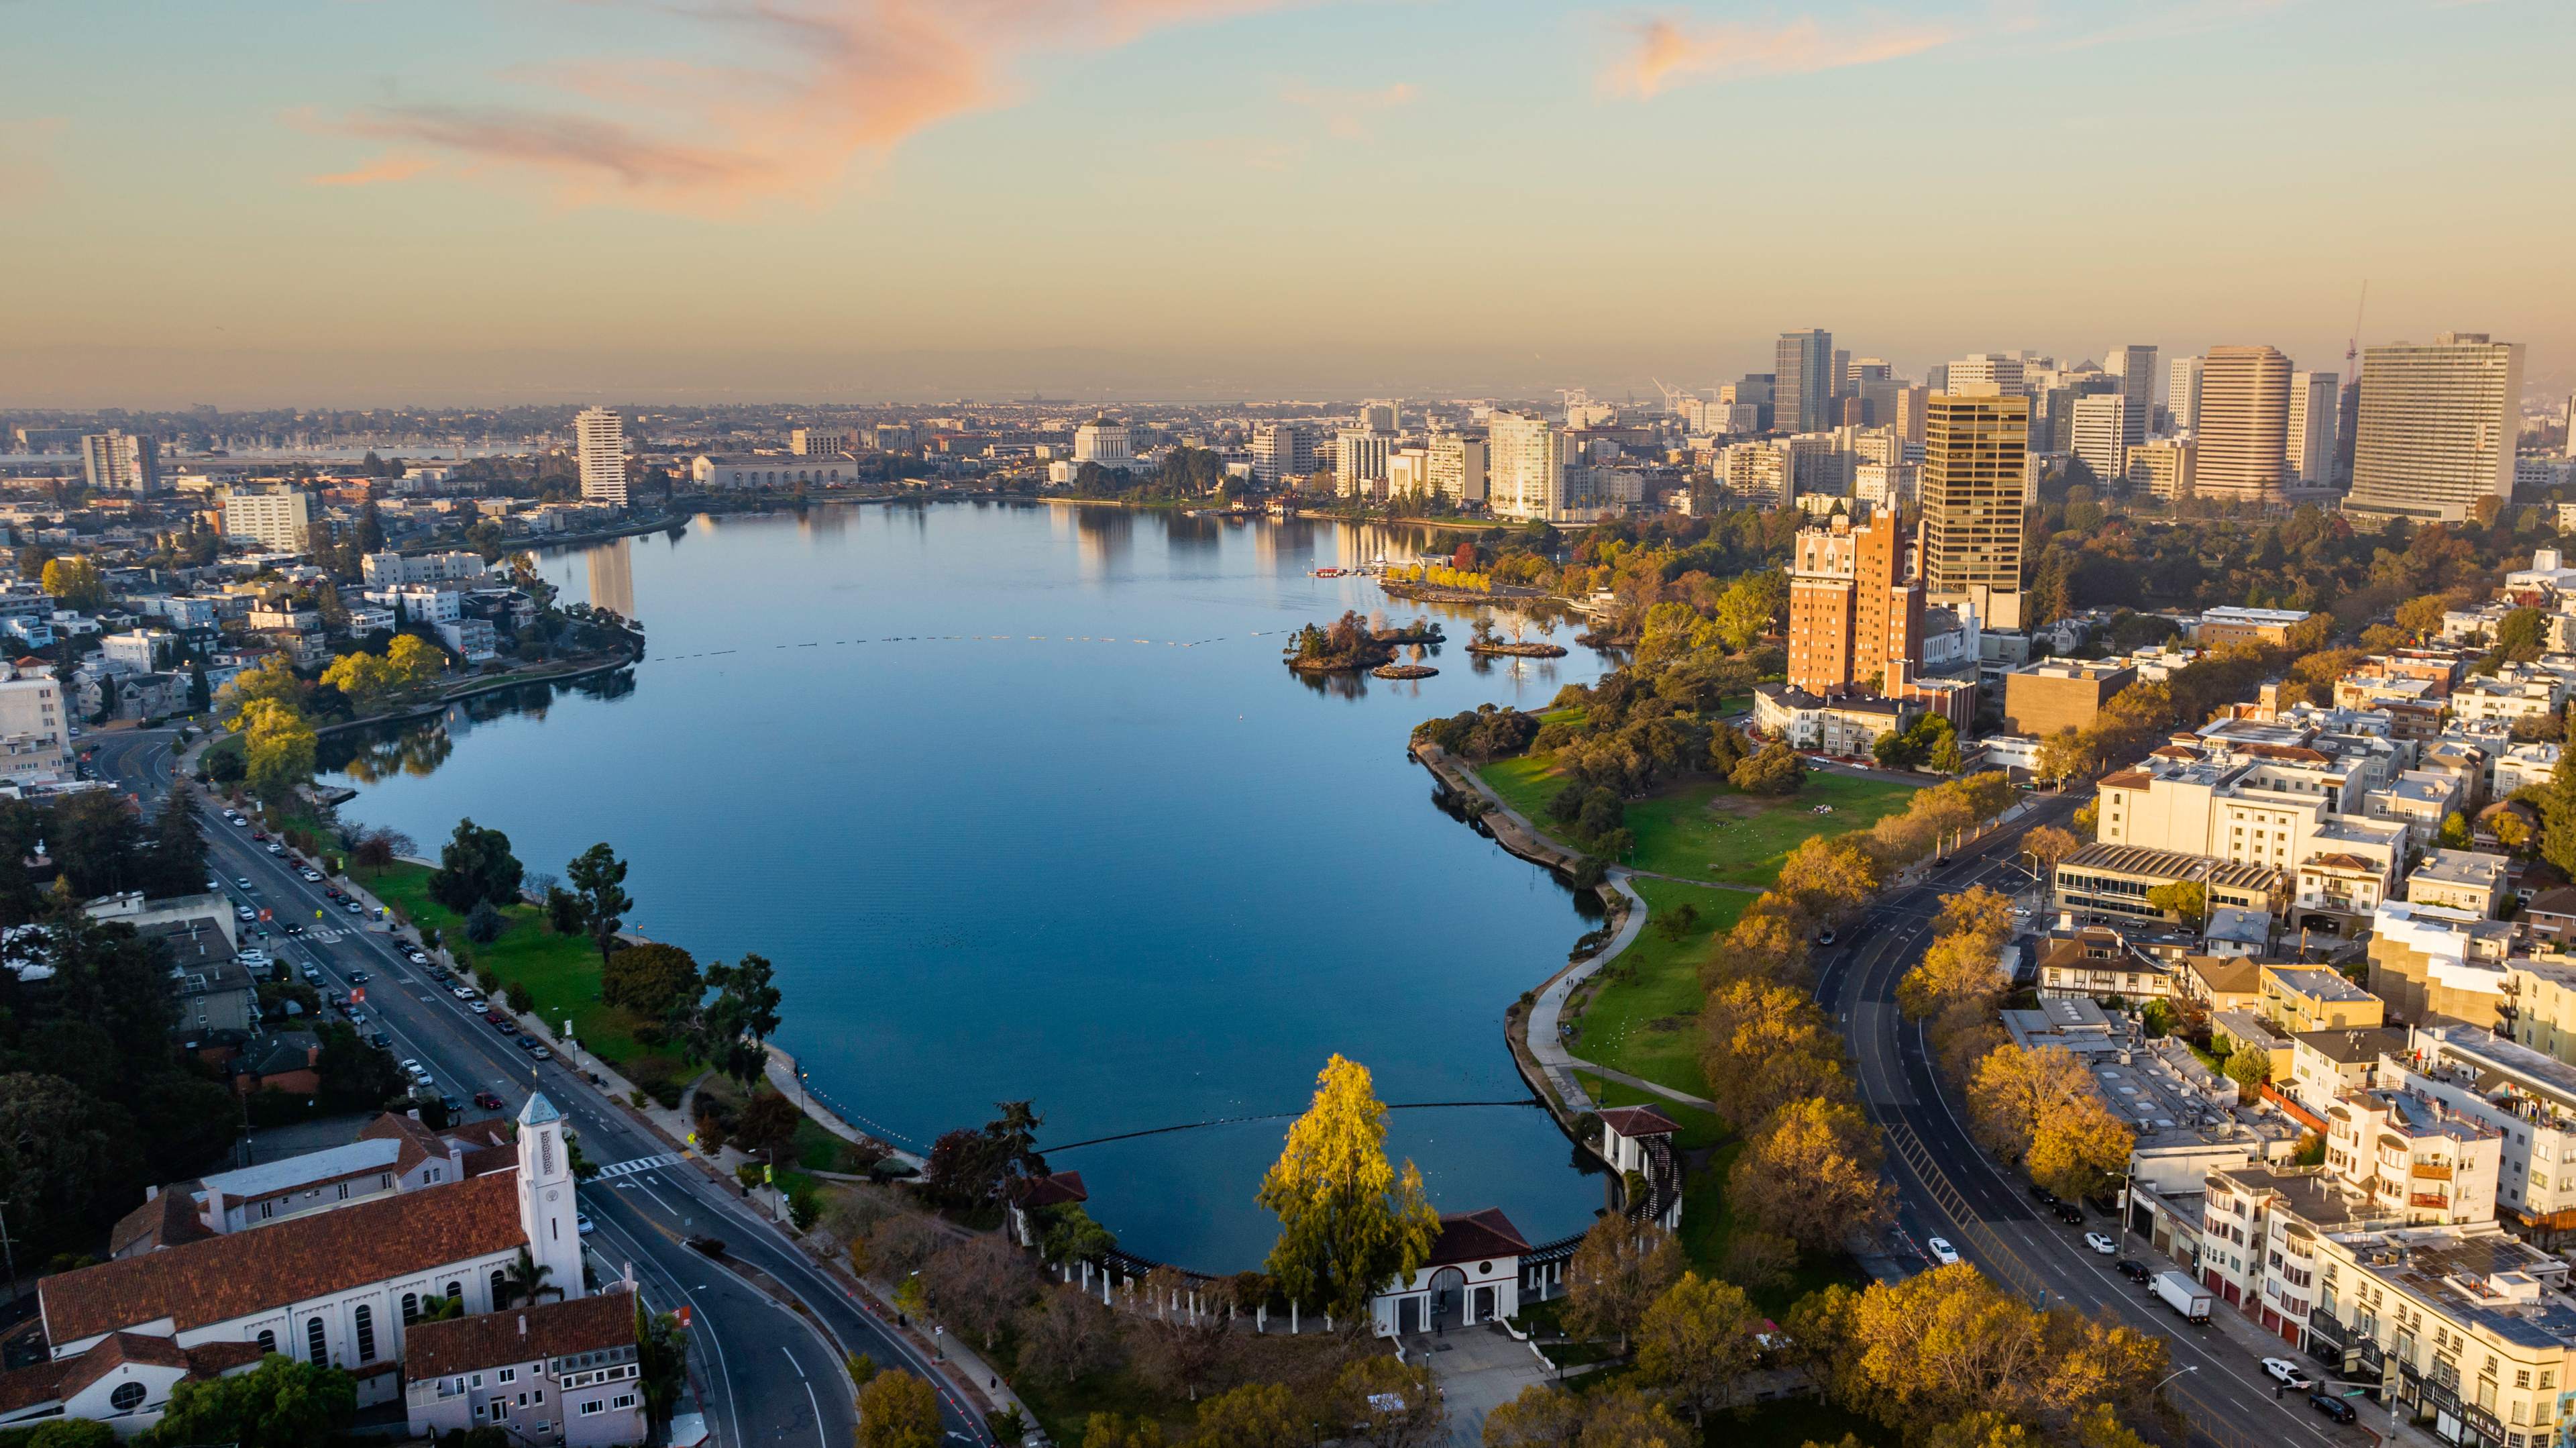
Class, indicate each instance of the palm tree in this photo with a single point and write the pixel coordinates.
(524, 1279)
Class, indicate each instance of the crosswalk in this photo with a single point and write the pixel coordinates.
(641, 1163)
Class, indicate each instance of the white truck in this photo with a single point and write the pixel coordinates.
(2183, 1295)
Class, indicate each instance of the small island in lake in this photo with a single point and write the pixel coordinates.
(1349, 645)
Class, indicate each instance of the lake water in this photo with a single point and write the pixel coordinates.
(953, 770)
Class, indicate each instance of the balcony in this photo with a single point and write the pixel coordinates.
(2424, 1199)
(2431, 1171)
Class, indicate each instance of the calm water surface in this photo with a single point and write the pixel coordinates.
(1141, 884)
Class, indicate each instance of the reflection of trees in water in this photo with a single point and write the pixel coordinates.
(1334, 686)
(418, 748)
(1193, 535)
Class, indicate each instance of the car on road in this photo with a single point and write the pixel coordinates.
(2100, 1243)
(2287, 1374)
(487, 1100)
(2332, 1406)
(242, 880)
(314, 876)
(454, 1106)
(312, 975)
(527, 1043)
(244, 912)
(334, 893)
(255, 959)
(505, 1026)
(238, 820)
(582, 1224)
(1824, 937)
(1942, 1252)
(214, 887)
(295, 930)
(358, 977)
(2069, 1213)
(461, 993)
(380, 1041)
(2046, 1196)
(258, 835)
(357, 909)
(275, 848)
(2133, 1269)
(542, 1054)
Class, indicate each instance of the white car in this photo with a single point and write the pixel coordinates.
(410, 1066)
(461, 993)
(253, 958)
(275, 848)
(239, 822)
(1942, 1252)
(2100, 1243)
(2287, 1374)
(313, 875)
(582, 1224)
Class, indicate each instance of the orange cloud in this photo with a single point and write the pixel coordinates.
(1346, 113)
(826, 81)
(1671, 52)
(383, 168)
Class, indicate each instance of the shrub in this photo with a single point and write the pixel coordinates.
(483, 925)
(522, 999)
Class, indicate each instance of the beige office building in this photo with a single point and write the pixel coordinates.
(1975, 458)
(2310, 457)
(1525, 467)
(2182, 392)
(2244, 423)
(819, 442)
(2437, 428)
(2164, 468)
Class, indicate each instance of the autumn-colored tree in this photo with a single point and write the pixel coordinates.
(1828, 881)
(2186, 900)
(1628, 1418)
(273, 678)
(1618, 1271)
(1936, 1347)
(1953, 968)
(1256, 1415)
(1108, 1430)
(980, 1283)
(1765, 1046)
(1975, 911)
(2047, 845)
(1541, 1417)
(412, 663)
(1348, 1223)
(2015, 1090)
(1067, 1334)
(1810, 1173)
(1765, 945)
(1985, 1430)
(278, 745)
(898, 1410)
(1698, 1343)
(2080, 1148)
(364, 678)
(1390, 1404)
(2422, 617)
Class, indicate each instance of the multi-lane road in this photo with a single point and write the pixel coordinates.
(1951, 1189)
(766, 1374)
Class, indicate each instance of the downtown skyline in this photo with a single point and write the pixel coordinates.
(370, 204)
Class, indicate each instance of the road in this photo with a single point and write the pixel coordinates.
(767, 1375)
(1951, 1189)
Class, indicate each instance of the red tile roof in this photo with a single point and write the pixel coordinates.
(1047, 1191)
(1476, 1236)
(26, 1387)
(419, 1143)
(520, 1335)
(120, 1349)
(2128, 779)
(240, 1273)
(1637, 1121)
(214, 1359)
(165, 1221)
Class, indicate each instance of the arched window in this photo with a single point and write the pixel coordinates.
(455, 1290)
(317, 1345)
(366, 1320)
(267, 1342)
(500, 1289)
(127, 1397)
(411, 1308)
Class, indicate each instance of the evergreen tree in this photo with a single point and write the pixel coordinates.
(2558, 814)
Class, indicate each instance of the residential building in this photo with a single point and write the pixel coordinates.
(392, 570)
(2229, 624)
(2460, 879)
(2096, 962)
(2312, 998)
(2165, 467)
(2182, 391)
(2469, 1328)
(2243, 424)
(2135, 368)
(1281, 451)
(1525, 461)
(277, 516)
(1457, 467)
(2421, 1161)
(2527, 1095)
(2309, 458)
(548, 1372)
(2436, 427)
(2109, 883)
(1360, 463)
(2327, 1065)
(420, 604)
(2437, 966)
(1972, 486)
(819, 442)
(35, 721)
(2100, 433)
(141, 650)
(2220, 982)
(1855, 623)
(601, 437)
(473, 638)
(122, 462)
(2041, 699)
(1847, 726)
(1888, 486)
(1803, 382)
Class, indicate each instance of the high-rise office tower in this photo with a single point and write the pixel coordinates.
(1843, 373)
(2003, 369)
(1802, 387)
(2310, 451)
(1906, 412)
(1975, 463)
(2182, 392)
(601, 435)
(2098, 433)
(1866, 369)
(1936, 378)
(1377, 417)
(1756, 391)
(1524, 466)
(2437, 427)
(2135, 366)
(121, 462)
(1855, 623)
(2244, 423)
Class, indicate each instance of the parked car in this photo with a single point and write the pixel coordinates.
(2100, 1243)
(2287, 1374)
(357, 909)
(1824, 937)
(244, 912)
(461, 993)
(380, 1041)
(242, 880)
(2133, 1269)
(1942, 1252)
(2043, 1193)
(238, 820)
(527, 1043)
(2069, 1213)
(2332, 1406)
(454, 1106)
(582, 1224)
(255, 959)
(542, 1054)
(506, 1026)
(487, 1100)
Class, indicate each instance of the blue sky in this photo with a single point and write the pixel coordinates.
(453, 199)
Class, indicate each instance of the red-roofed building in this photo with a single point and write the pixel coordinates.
(1065, 1188)
(1624, 1130)
(1472, 1275)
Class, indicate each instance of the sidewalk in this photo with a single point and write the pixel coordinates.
(1546, 1034)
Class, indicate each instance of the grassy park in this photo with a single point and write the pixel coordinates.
(1706, 830)
(1643, 1017)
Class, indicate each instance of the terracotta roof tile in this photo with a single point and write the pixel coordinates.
(28, 1386)
(1047, 1191)
(165, 1221)
(419, 1143)
(214, 1359)
(1633, 1121)
(1476, 1236)
(240, 1273)
(519, 1335)
(120, 1349)
(485, 1160)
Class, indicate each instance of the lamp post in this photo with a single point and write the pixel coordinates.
(2169, 1377)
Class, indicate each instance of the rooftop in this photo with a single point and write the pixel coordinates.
(2461, 867)
(2353, 1048)
(2318, 983)
(2477, 1275)
(2167, 864)
(269, 1178)
(522, 1335)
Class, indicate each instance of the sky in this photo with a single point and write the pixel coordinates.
(446, 202)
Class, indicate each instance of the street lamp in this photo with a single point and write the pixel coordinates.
(2169, 1377)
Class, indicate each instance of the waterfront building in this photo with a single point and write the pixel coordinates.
(601, 435)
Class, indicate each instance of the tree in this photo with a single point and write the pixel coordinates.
(412, 663)
(278, 747)
(1628, 1418)
(366, 679)
(1183, 1347)
(2423, 616)
(272, 679)
(650, 980)
(1698, 1343)
(64, 1154)
(730, 1032)
(1256, 1415)
(1348, 1224)
(2249, 1068)
(475, 864)
(599, 879)
(2186, 900)
(980, 1283)
(76, 583)
(1108, 1430)
(1068, 1333)
(2455, 831)
(1830, 880)
(1543, 1416)
(1778, 769)
(1390, 1404)
(1618, 1271)
(898, 1410)
(2558, 814)
(525, 1280)
(177, 864)
(2081, 1149)
(483, 923)
(1767, 1045)
(2047, 845)
(1811, 1174)
(282, 1403)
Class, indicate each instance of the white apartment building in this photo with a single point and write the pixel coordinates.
(393, 570)
(2260, 812)
(1360, 463)
(1526, 467)
(2101, 432)
(2517, 765)
(34, 730)
(2515, 691)
(1408, 472)
(140, 650)
(277, 516)
(1887, 485)
(2528, 1097)
(1458, 468)
(420, 604)
(473, 638)
(2314, 400)
(121, 462)
(818, 442)
(1755, 474)
(2437, 427)
(1282, 451)
(2182, 391)
(601, 436)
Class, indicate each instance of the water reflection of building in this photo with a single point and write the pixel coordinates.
(612, 578)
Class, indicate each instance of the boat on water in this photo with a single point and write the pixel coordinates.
(1331, 572)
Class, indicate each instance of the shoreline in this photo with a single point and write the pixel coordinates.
(431, 708)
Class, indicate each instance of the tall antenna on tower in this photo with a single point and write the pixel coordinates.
(2352, 349)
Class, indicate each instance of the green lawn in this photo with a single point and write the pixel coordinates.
(1644, 1018)
(1704, 830)
(561, 971)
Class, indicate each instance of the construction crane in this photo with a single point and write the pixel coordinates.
(1674, 397)
(2352, 349)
